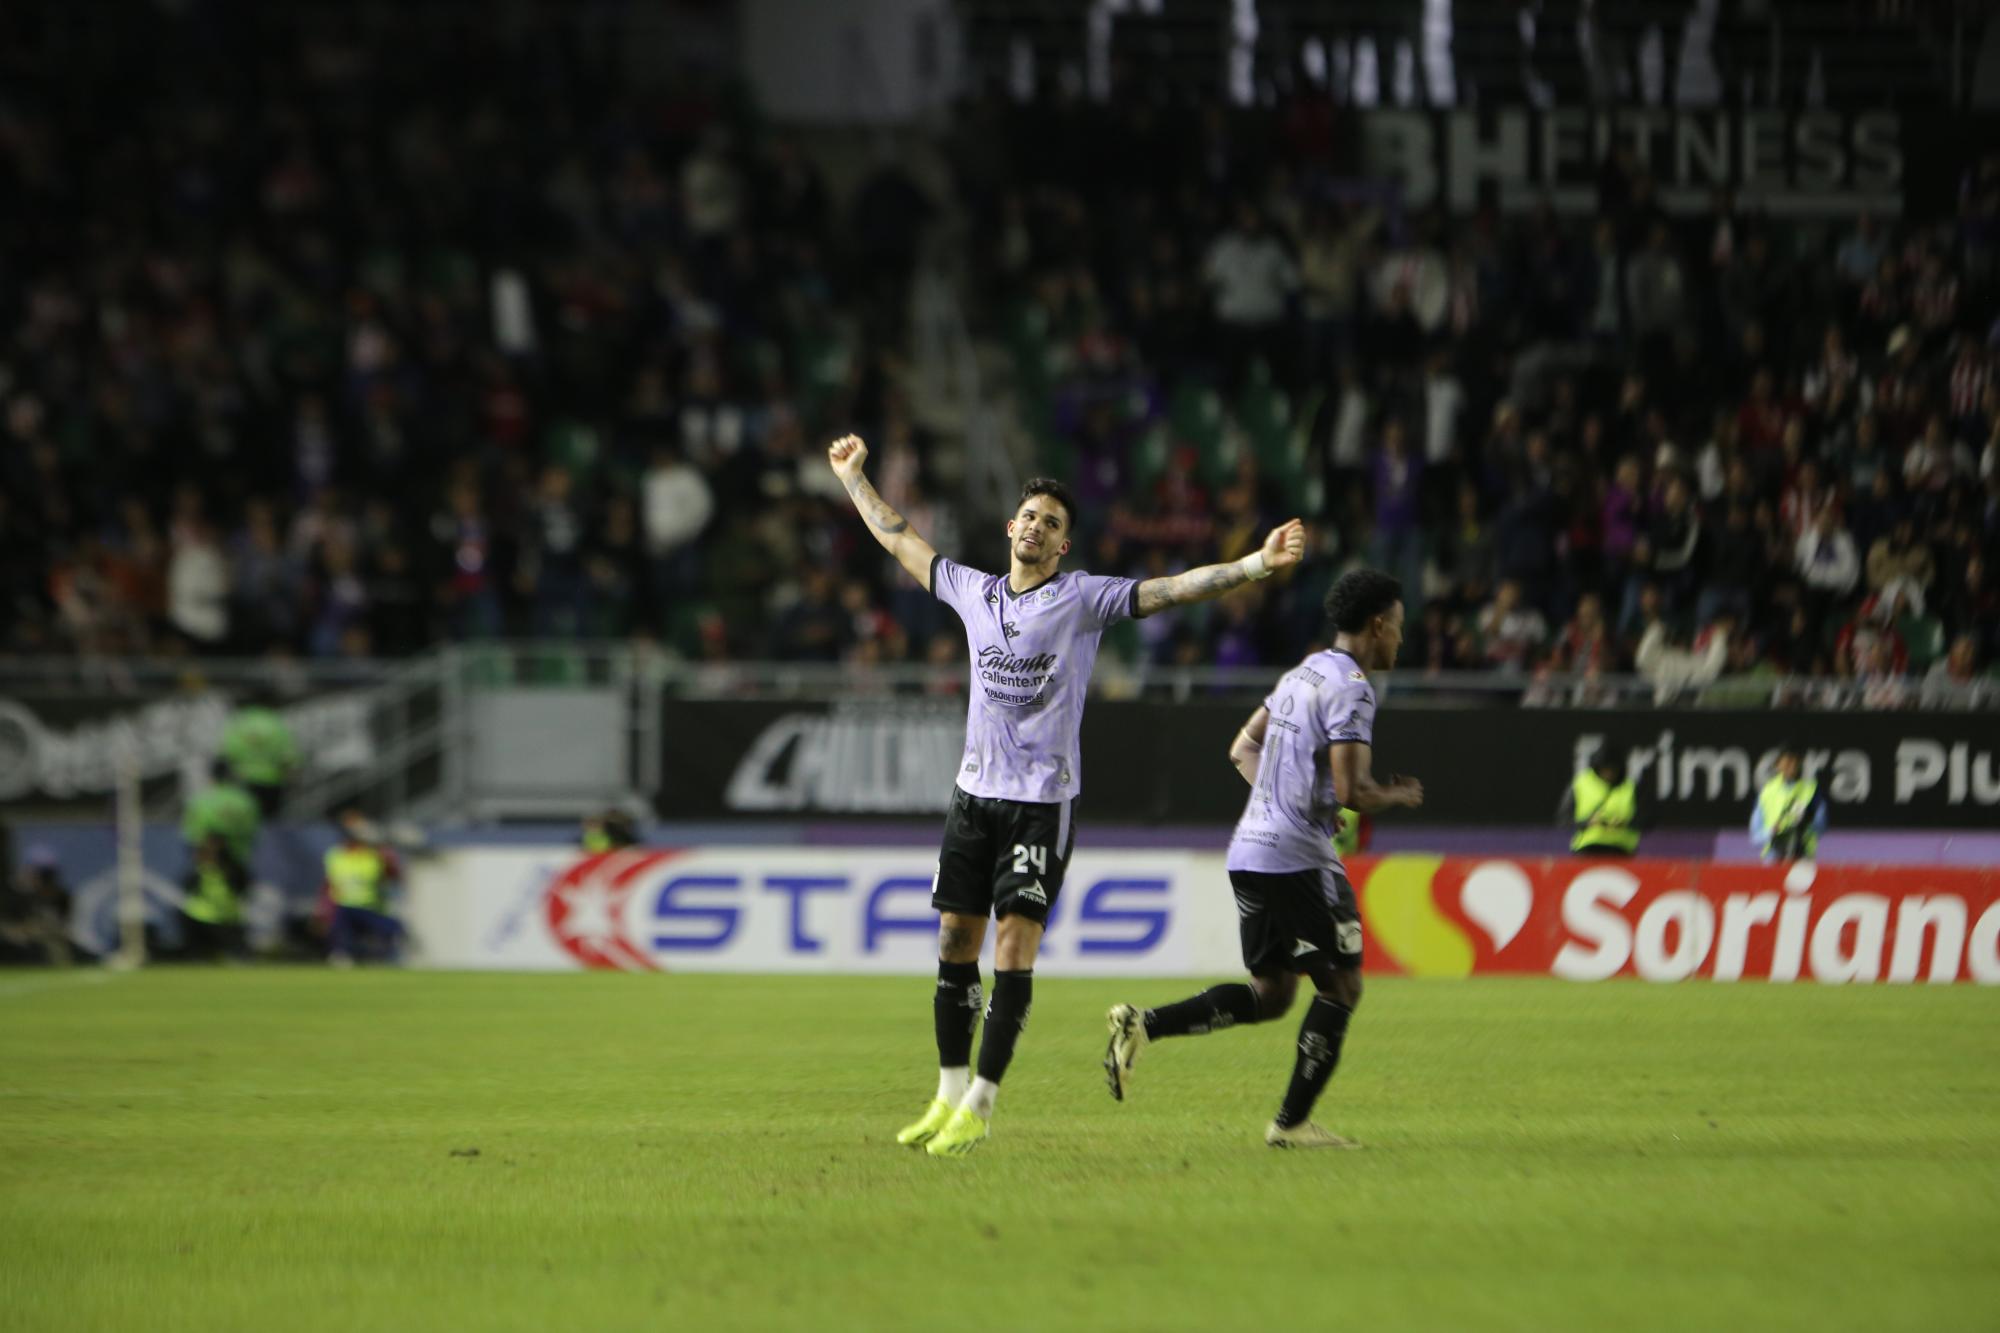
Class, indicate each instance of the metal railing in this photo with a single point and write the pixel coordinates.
(409, 716)
(630, 672)
(371, 731)
(632, 664)
(424, 738)
(1409, 688)
(284, 677)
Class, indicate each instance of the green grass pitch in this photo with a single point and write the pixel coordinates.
(295, 1150)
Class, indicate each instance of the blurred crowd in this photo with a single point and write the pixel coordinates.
(1717, 450)
(309, 351)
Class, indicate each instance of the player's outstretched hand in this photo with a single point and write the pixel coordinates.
(1286, 545)
(847, 454)
(1410, 790)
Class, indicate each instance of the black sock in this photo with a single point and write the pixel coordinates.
(956, 1010)
(1214, 1009)
(1319, 1051)
(1006, 1015)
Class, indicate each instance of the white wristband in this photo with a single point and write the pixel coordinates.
(1253, 566)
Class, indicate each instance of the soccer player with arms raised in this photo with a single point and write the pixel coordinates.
(1306, 753)
(1033, 636)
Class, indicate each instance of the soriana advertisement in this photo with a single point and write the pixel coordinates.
(1590, 920)
(793, 909)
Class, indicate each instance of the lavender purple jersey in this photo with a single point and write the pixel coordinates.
(1287, 823)
(1031, 658)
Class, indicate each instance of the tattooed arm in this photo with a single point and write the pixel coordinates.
(1282, 549)
(888, 527)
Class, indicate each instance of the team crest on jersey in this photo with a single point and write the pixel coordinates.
(1357, 675)
(1009, 628)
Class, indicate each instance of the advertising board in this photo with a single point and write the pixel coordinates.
(1146, 762)
(1129, 913)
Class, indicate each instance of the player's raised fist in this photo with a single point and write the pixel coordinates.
(1286, 545)
(847, 454)
(1411, 791)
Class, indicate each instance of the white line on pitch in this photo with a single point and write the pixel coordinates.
(31, 985)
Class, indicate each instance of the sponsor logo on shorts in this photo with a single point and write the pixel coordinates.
(1033, 894)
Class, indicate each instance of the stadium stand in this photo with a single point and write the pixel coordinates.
(525, 354)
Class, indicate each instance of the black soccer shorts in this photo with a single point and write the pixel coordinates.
(1006, 858)
(1296, 921)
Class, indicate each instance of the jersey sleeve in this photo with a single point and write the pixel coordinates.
(955, 585)
(1351, 720)
(1107, 599)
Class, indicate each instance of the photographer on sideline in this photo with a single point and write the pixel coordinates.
(361, 873)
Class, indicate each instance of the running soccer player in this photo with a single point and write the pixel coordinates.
(1305, 753)
(1032, 635)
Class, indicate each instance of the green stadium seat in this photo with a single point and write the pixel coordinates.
(1149, 457)
(1197, 417)
(1265, 413)
(1924, 637)
(1058, 454)
(575, 446)
(1220, 456)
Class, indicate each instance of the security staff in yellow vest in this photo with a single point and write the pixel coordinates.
(1602, 809)
(1352, 832)
(212, 901)
(1790, 813)
(609, 832)
(360, 872)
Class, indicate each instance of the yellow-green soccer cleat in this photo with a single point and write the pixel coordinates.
(926, 1128)
(1307, 1135)
(1128, 1039)
(960, 1135)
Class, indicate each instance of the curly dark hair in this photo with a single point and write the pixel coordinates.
(1358, 596)
(1055, 490)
